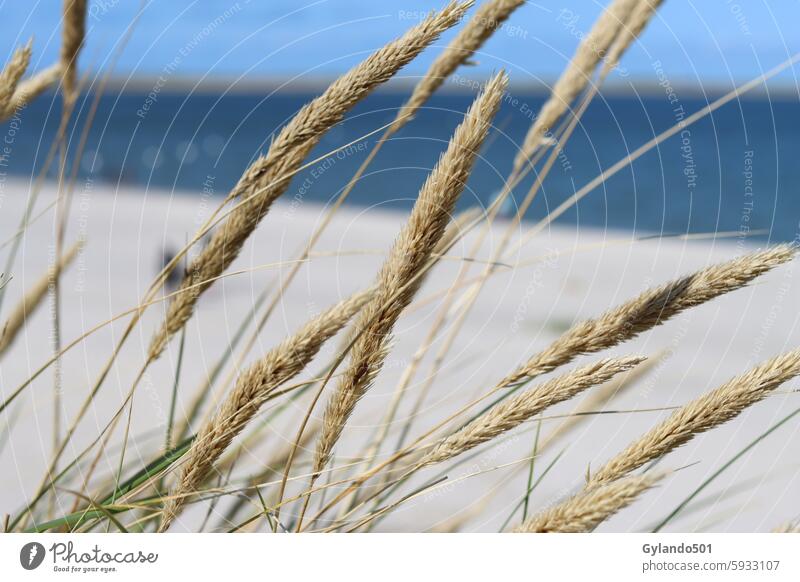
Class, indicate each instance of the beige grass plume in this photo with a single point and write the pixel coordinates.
(400, 275)
(33, 299)
(641, 15)
(488, 18)
(454, 230)
(651, 308)
(588, 509)
(15, 92)
(513, 411)
(269, 176)
(596, 400)
(702, 414)
(30, 88)
(71, 43)
(252, 389)
(10, 77)
(576, 76)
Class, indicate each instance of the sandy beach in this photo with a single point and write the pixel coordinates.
(558, 278)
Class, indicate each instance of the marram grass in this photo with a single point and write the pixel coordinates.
(355, 488)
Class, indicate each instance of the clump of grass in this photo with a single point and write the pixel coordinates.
(487, 19)
(252, 389)
(208, 458)
(269, 176)
(399, 278)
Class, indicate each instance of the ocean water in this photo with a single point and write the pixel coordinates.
(736, 170)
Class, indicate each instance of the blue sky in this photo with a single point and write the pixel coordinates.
(697, 42)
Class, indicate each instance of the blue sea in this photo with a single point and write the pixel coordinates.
(737, 170)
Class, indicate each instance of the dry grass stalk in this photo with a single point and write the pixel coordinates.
(512, 412)
(588, 509)
(651, 308)
(33, 299)
(576, 76)
(488, 18)
(641, 15)
(454, 231)
(269, 176)
(251, 391)
(702, 414)
(10, 77)
(71, 43)
(399, 277)
(518, 173)
(29, 89)
(271, 468)
(597, 399)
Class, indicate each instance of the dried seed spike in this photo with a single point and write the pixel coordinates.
(268, 177)
(596, 399)
(399, 277)
(576, 76)
(72, 41)
(513, 411)
(650, 309)
(642, 13)
(488, 18)
(252, 389)
(588, 509)
(10, 77)
(702, 414)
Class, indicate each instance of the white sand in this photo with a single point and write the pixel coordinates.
(518, 312)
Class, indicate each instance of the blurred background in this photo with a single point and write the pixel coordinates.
(190, 92)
